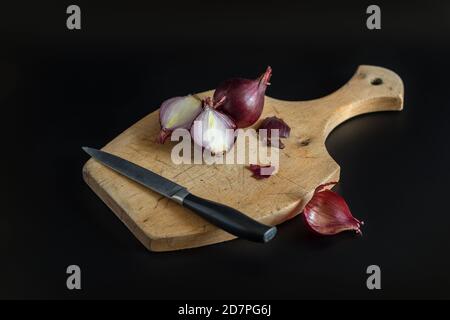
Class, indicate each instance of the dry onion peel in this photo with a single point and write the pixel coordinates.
(245, 98)
(177, 112)
(261, 172)
(271, 123)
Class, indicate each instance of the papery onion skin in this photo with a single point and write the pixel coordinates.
(270, 123)
(276, 123)
(327, 213)
(176, 113)
(219, 141)
(257, 171)
(245, 98)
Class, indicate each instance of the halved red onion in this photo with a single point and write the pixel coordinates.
(177, 112)
(212, 129)
(327, 213)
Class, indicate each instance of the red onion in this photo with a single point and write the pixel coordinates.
(245, 98)
(275, 123)
(212, 129)
(327, 213)
(178, 112)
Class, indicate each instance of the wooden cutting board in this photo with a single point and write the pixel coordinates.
(163, 225)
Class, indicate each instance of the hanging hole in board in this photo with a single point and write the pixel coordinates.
(376, 82)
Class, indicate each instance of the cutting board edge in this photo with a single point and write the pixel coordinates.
(193, 240)
(114, 206)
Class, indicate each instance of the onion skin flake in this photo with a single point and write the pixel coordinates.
(261, 172)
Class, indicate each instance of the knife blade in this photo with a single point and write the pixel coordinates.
(224, 217)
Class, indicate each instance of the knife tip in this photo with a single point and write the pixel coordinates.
(87, 150)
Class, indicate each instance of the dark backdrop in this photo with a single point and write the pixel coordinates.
(62, 89)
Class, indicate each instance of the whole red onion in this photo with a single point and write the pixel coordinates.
(327, 213)
(245, 98)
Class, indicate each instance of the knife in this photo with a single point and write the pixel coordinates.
(224, 217)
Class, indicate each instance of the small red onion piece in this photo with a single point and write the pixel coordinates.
(212, 129)
(327, 213)
(245, 98)
(275, 123)
(261, 172)
(178, 112)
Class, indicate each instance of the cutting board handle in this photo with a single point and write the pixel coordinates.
(371, 89)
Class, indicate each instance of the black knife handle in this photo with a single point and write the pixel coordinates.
(230, 219)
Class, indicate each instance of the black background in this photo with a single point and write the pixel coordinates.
(62, 89)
